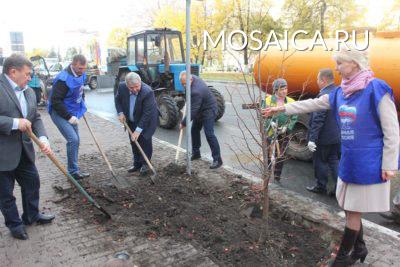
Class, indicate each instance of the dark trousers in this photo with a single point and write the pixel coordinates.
(27, 177)
(283, 141)
(208, 124)
(147, 146)
(326, 160)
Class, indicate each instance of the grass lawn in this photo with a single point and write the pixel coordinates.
(225, 76)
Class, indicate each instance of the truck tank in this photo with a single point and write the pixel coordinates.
(300, 69)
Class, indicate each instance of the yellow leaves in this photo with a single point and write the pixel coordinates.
(118, 37)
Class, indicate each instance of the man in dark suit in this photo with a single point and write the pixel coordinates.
(18, 115)
(324, 139)
(203, 111)
(136, 104)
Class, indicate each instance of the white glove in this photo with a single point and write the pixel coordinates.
(73, 120)
(283, 130)
(312, 146)
(273, 125)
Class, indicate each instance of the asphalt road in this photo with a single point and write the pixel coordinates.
(231, 134)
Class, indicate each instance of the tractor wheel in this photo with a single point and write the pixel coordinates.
(93, 83)
(220, 102)
(169, 112)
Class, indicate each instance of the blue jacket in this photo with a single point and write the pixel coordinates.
(145, 114)
(73, 101)
(323, 128)
(203, 103)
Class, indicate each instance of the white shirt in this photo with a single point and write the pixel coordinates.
(24, 105)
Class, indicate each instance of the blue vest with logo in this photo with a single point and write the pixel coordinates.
(73, 101)
(361, 132)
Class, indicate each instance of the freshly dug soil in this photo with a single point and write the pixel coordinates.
(186, 208)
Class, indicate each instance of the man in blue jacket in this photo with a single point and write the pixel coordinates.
(324, 139)
(203, 111)
(66, 106)
(136, 104)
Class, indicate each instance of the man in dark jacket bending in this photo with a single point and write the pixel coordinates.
(203, 111)
(136, 104)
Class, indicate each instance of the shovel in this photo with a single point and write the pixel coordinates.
(180, 139)
(154, 176)
(119, 183)
(69, 176)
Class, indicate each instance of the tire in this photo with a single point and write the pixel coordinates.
(297, 147)
(93, 83)
(220, 102)
(169, 112)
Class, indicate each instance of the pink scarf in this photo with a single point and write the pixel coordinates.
(356, 83)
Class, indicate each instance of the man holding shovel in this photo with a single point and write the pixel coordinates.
(18, 117)
(66, 106)
(203, 111)
(136, 105)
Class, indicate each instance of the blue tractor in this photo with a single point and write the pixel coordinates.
(157, 56)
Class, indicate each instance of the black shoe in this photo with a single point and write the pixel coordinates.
(316, 189)
(392, 216)
(45, 218)
(133, 169)
(195, 156)
(80, 175)
(144, 170)
(360, 250)
(216, 164)
(19, 234)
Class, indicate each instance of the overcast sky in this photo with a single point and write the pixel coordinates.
(52, 23)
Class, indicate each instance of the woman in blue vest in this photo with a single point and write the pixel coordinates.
(66, 106)
(366, 114)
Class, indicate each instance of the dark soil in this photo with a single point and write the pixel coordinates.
(186, 209)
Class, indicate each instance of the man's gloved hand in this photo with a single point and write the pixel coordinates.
(273, 125)
(282, 130)
(312, 146)
(73, 120)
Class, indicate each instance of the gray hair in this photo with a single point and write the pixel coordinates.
(183, 73)
(133, 78)
(359, 57)
(79, 58)
(326, 73)
(15, 61)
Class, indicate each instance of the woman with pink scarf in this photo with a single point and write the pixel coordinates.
(366, 114)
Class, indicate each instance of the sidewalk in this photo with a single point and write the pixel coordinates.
(74, 242)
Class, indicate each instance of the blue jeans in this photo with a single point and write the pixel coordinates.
(27, 177)
(71, 134)
(212, 140)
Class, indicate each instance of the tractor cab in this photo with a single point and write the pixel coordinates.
(158, 57)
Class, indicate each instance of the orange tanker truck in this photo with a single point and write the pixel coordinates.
(300, 69)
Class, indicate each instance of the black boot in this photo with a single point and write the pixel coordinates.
(360, 251)
(342, 258)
